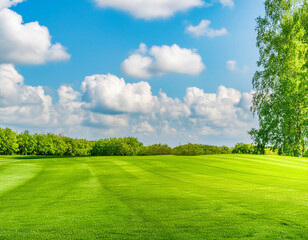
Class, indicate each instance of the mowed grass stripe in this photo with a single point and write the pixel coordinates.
(158, 197)
(50, 201)
(242, 166)
(15, 173)
(116, 182)
(214, 170)
(168, 177)
(257, 183)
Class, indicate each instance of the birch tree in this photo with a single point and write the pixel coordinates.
(281, 84)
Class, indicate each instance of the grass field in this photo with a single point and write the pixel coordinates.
(159, 197)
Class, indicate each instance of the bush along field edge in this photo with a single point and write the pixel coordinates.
(49, 144)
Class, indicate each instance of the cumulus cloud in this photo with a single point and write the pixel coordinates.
(166, 129)
(108, 105)
(150, 9)
(227, 3)
(218, 109)
(10, 82)
(20, 103)
(207, 131)
(68, 110)
(143, 49)
(26, 43)
(98, 120)
(246, 100)
(203, 29)
(233, 67)
(67, 95)
(110, 94)
(9, 3)
(144, 128)
(172, 108)
(138, 66)
(161, 60)
(176, 59)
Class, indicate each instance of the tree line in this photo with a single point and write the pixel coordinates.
(49, 144)
(58, 145)
(42, 144)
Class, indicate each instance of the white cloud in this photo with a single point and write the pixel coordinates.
(20, 103)
(172, 108)
(150, 9)
(144, 128)
(246, 100)
(107, 106)
(67, 95)
(199, 127)
(166, 129)
(207, 131)
(9, 3)
(110, 94)
(68, 111)
(203, 29)
(10, 82)
(143, 49)
(138, 66)
(233, 67)
(227, 3)
(106, 121)
(26, 43)
(176, 59)
(218, 109)
(162, 60)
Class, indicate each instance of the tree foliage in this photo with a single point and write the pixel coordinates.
(127, 146)
(49, 144)
(42, 144)
(281, 98)
(156, 149)
(199, 149)
(27, 144)
(8, 141)
(242, 148)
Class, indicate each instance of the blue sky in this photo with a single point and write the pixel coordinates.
(95, 37)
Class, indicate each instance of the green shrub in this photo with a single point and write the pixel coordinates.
(243, 148)
(211, 150)
(188, 150)
(127, 146)
(156, 149)
(58, 145)
(269, 151)
(199, 149)
(78, 147)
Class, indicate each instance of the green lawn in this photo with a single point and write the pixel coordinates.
(157, 197)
